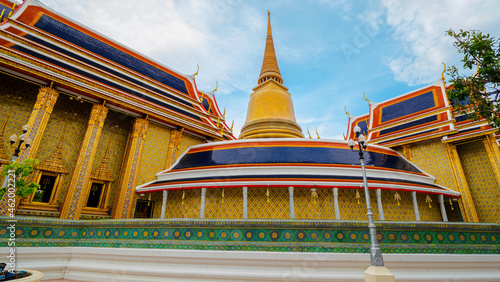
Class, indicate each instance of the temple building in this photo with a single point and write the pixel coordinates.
(462, 154)
(142, 179)
(273, 172)
(102, 118)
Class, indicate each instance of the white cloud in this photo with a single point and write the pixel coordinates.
(419, 26)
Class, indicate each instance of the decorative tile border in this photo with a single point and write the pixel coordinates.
(257, 235)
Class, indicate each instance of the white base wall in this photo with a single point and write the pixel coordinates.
(122, 264)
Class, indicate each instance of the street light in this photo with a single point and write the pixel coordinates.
(23, 138)
(375, 252)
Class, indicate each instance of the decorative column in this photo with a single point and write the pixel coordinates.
(125, 192)
(493, 155)
(173, 146)
(39, 118)
(77, 187)
(443, 210)
(461, 183)
(415, 205)
(164, 204)
(292, 206)
(381, 215)
(202, 202)
(245, 205)
(336, 202)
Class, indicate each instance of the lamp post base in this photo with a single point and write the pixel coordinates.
(378, 274)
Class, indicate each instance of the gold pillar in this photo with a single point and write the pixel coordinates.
(125, 192)
(461, 184)
(173, 146)
(493, 155)
(39, 118)
(77, 187)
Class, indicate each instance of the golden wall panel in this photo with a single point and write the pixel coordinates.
(229, 206)
(392, 211)
(17, 98)
(115, 133)
(157, 197)
(278, 206)
(481, 179)
(154, 153)
(352, 208)
(428, 214)
(431, 157)
(188, 141)
(306, 207)
(70, 118)
(189, 207)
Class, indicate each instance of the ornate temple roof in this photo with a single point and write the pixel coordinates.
(417, 115)
(38, 44)
(291, 162)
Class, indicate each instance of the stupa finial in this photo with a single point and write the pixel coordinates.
(270, 67)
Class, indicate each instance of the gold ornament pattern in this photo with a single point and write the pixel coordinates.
(481, 179)
(231, 206)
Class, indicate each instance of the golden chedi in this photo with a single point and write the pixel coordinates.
(270, 109)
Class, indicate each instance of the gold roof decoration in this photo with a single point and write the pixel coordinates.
(102, 172)
(270, 63)
(55, 162)
(4, 158)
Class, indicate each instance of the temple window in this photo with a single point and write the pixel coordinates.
(49, 174)
(95, 198)
(144, 209)
(47, 184)
(100, 181)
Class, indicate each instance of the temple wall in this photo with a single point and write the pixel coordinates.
(229, 206)
(432, 213)
(183, 203)
(70, 118)
(431, 157)
(306, 207)
(352, 208)
(154, 157)
(481, 180)
(188, 141)
(393, 210)
(17, 98)
(276, 206)
(115, 133)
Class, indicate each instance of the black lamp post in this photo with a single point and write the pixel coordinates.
(22, 139)
(375, 252)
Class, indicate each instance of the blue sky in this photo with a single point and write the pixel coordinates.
(329, 52)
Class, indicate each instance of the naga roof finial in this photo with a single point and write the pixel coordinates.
(346, 111)
(197, 70)
(366, 99)
(216, 86)
(442, 74)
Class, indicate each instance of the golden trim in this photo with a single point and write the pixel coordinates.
(461, 182)
(491, 156)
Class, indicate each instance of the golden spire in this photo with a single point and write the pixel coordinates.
(270, 67)
(270, 111)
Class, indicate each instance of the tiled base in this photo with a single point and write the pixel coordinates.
(256, 235)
